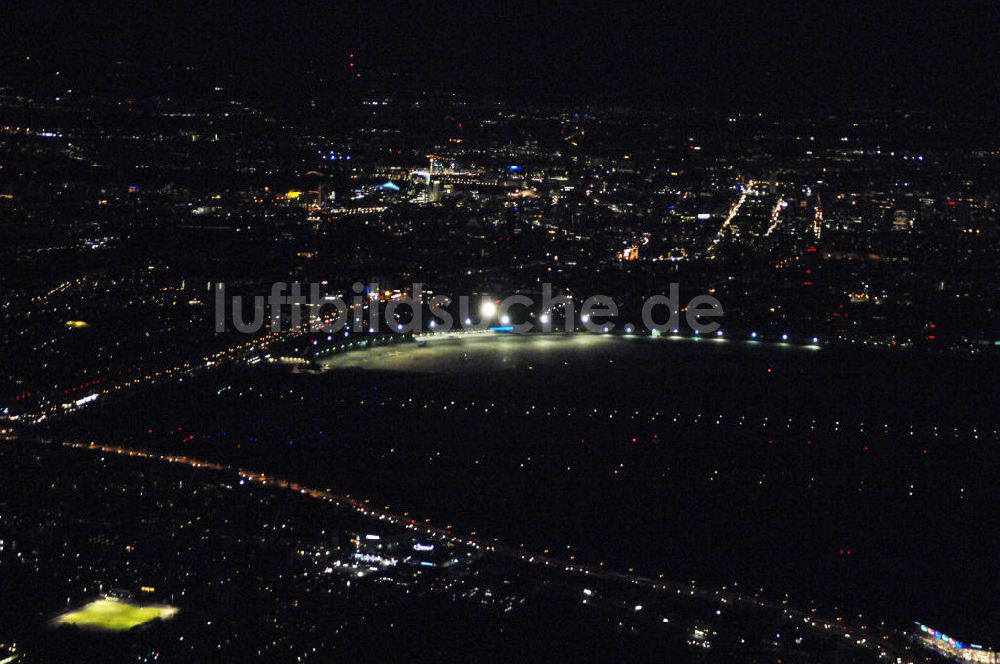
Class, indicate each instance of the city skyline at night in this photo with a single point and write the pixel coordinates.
(516, 332)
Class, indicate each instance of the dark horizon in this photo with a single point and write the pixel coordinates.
(800, 57)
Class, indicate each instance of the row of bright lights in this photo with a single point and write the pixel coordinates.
(488, 310)
(544, 319)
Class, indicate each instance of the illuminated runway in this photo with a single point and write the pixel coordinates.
(478, 353)
(474, 353)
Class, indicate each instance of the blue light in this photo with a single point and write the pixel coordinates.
(512, 167)
(753, 335)
(502, 328)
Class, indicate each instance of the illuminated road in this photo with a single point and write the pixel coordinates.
(235, 353)
(818, 223)
(775, 216)
(733, 211)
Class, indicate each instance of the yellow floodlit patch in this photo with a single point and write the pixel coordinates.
(115, 615)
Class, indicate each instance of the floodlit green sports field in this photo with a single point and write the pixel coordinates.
(114, 615)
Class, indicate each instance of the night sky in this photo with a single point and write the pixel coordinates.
(797, 55)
